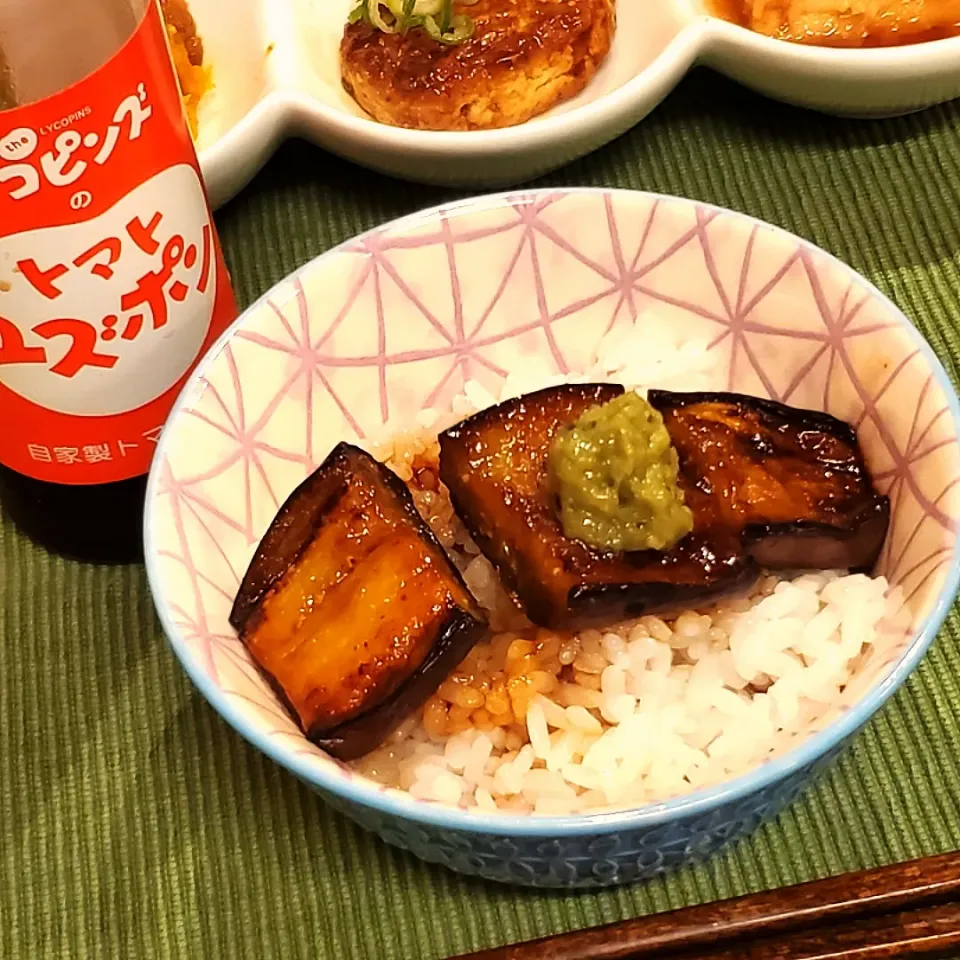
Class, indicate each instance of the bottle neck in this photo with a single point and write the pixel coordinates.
(47, 45)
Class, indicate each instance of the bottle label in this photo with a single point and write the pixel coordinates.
(112, 282)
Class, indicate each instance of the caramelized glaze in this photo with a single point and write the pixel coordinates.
(351, 607)
(766, 484)
(524, 56)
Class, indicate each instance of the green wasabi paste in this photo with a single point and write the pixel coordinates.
(614, 473)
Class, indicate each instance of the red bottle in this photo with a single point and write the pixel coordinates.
(112, 282)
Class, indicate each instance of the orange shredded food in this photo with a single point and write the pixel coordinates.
(187, 49)
(846, 23)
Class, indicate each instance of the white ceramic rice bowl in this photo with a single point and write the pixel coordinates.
(357, 343)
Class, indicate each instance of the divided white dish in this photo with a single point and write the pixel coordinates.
(276, 70)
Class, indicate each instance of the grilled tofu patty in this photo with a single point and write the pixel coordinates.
(524, 57)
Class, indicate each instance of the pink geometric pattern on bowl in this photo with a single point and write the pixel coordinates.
(359, 342)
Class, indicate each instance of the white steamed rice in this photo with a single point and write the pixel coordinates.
(651, 708)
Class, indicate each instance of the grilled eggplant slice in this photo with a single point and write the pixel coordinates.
(737, 457)
(351, 607)
(494, 465)
(793, 481)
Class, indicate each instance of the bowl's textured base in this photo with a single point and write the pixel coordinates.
(590, 860)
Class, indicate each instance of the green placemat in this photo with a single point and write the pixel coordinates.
(134, 823)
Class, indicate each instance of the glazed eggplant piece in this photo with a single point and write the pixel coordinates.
(350, 606)
(738, 457)
(793, 481)
(494, 465)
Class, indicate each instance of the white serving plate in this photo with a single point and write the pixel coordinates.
(276, 70)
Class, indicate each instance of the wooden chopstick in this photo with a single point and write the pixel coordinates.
(930, 931)
(913, 908)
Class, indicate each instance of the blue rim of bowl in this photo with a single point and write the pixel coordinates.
(366, 793)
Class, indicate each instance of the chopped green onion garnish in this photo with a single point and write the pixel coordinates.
(435, 17)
